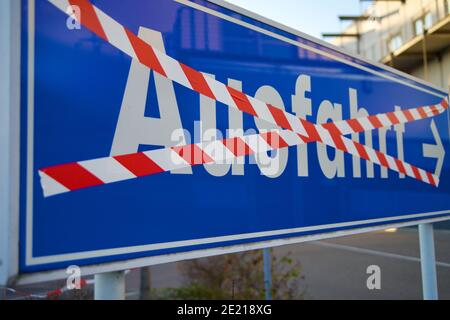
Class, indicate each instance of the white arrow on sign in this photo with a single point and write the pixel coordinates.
(435, 151)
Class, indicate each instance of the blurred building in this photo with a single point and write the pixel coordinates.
(409, 35)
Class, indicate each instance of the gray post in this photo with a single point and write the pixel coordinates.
(110, 286)
(5, 109)
(428, 262)
(267, 273)
(10, 27)
(146, 283)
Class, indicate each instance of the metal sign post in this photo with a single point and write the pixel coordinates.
(5, 32)
(428, 262)
(267, 273)
(110, 286)
(9, 137)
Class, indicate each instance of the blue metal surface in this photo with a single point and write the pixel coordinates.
(79, 87)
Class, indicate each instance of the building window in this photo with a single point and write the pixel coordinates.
(423, 23)
(395, 42)
(447, 6)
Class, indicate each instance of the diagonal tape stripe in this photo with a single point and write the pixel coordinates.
(157, 161)
(72, 176)
(88, 17)
(191, 78)
(242, 102)
(139, 164)
(197, 81)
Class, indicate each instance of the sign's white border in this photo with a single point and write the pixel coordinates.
(42, 276)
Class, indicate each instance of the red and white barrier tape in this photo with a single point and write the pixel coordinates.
(78, 175)
(49, 294)
(63, 178)
(57, 292)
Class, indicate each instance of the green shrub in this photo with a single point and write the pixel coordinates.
(237, 276)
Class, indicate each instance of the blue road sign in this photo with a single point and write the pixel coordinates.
(82, 98)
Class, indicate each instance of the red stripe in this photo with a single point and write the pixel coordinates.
(400, 166)
(355, 125)
(416, 173)
(392, 117)
(376, 123)
(435, 110)
(192, 154)
(197, 81)
(361, 150)
(431, 179)
(88, 17)
(335, 134)
(139, 164)
(444, 103)
(241, 101)
(313, 135)
(72, 176)
(382, 159)
(304, 139)
(238, 146)
(422, 112)
(274, 140)
(280, 117)
(145, 53)
(408, 115)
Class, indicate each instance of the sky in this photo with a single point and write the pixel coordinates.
(309, 16)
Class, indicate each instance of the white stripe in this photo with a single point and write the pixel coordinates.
(291, 138)
(436, 180)
(408, 169)
(217, 151)
(372, 155)
(427, 110)
(62, 5)
(391, 162)
(221, 93)
(167, 159)
(257, 143)
(173, 69)
(107, 169)
(261, 110)
(400, 116)
(350, 146)
(115, 33)
(424, 176)
(440, 108)
(384, 120)
(343, 127)
(416, 115)
(50, 185)
(365, 123)
(325, 136)
(296, 124)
